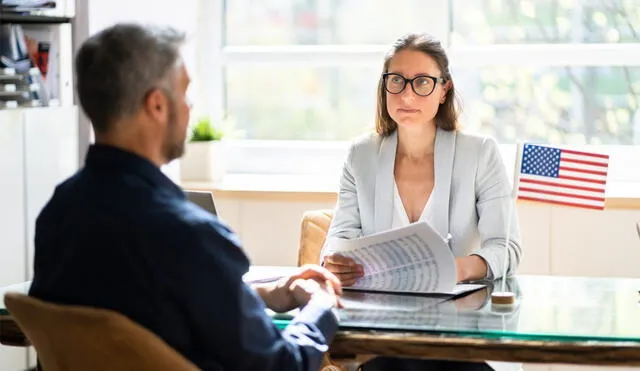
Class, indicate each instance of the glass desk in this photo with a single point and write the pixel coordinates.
(555, 320)
(574, 320)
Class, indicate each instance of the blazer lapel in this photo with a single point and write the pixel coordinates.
(444, 153)
(383, 207)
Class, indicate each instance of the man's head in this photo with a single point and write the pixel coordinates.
(132, 85)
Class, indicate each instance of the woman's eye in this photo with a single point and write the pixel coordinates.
(422, 81)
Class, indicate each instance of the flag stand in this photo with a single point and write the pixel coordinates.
(503, 298)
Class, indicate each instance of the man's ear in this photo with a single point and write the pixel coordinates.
(156, 105)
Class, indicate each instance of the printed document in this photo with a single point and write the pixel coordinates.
(410, 259)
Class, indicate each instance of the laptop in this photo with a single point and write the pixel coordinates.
(202, 199)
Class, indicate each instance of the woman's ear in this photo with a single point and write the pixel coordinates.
(445, 90)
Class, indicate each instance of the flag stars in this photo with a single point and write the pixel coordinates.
(542, 161)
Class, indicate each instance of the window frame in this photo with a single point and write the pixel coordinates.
(322, 158)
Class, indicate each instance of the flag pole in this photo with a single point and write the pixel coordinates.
(503, 297)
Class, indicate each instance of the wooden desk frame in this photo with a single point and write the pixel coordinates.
(352, 348)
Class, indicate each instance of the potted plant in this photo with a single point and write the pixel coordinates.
(204, 158)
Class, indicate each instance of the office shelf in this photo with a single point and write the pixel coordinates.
(31, 18)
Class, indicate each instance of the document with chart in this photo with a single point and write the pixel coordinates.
(410, 259)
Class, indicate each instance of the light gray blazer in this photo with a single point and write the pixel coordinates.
(470, 200)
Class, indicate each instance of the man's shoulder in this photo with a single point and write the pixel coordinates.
(201, 236)
(189, 217)
(65, 192)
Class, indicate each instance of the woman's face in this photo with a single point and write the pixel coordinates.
(407, 108)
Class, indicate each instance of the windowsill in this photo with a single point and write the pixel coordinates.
(315, 188)
(272, 187)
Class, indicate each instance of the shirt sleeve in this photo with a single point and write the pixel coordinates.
(229, 318)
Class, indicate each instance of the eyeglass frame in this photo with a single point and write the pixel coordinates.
(436, 80)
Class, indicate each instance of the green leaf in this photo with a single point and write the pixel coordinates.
(204, 131)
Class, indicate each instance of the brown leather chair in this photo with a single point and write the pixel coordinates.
(315, 224)
(74, 338)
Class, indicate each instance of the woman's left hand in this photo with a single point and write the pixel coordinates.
(471, 268)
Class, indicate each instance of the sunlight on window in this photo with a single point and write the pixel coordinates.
(594, 105)
(598, 104)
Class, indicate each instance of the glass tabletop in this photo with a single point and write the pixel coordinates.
(548, 308)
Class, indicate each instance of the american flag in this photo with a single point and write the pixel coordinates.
(563, 177)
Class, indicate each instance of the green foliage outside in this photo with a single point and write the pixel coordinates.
(553, 104)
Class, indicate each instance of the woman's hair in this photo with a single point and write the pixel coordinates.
(447, 116)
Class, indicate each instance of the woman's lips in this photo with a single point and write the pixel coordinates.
(408, 110)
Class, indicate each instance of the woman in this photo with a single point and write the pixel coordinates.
(418, 166)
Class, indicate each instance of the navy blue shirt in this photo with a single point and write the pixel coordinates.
(120, 235)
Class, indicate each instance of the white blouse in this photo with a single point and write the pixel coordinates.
(400, 217)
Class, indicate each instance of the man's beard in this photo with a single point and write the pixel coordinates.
(173, 147)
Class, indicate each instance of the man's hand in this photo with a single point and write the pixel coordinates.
(296, 291)
(345, 268)
(304, 290)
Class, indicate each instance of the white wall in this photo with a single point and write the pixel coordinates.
(556, 240)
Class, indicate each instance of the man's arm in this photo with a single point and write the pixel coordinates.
(229, 317)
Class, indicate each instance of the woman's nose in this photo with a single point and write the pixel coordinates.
(408, 95)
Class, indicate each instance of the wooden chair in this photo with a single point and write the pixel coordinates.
(75, 338)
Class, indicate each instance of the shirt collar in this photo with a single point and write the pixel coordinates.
(105, 157)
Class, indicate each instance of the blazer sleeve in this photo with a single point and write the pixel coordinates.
(346, 222)
(494, 205)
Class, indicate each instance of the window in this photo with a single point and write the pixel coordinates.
(298, 77)
(485, 22)
(562, 99)
(320, 22)
(301, 103)
(558, 105)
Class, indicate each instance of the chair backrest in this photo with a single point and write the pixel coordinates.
(74, 338)
(315, 224)
(202, 199)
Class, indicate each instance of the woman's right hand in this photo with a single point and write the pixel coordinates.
(344, 268)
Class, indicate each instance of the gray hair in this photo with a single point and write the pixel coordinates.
(117, 67)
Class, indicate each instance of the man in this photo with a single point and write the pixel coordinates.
(121, 235)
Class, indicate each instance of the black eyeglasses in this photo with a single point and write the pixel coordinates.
(422, 85)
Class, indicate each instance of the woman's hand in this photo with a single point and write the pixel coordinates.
(344, 268)
(470, 268)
